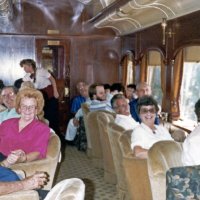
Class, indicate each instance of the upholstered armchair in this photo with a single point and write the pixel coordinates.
(86, 110)
(94, 135)
(177, 134)
(108, 164)
(49, 164)
(162, 156)
(114, 132)
(69, 189)
(22, 195)
(136, 171)
(183, 183)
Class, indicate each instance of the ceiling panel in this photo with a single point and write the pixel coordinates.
(139, 14)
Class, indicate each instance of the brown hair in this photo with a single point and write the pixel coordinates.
(29, 62)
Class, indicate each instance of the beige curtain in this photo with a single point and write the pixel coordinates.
(124, 69)
(176, 85)
(143, 69)
(128, 69)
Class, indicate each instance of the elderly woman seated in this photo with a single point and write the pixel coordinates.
(147, 133)
(26, 138)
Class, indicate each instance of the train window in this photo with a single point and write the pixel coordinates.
(154, 75)
(190, 86)
(128, 68)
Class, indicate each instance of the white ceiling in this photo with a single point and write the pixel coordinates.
(139, 14)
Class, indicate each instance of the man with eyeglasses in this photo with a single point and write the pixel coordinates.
(123, 118)
(8, 95)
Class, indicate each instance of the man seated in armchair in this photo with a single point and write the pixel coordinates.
(10, 181)
(183, 182)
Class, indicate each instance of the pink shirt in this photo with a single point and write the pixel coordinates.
(33, 138)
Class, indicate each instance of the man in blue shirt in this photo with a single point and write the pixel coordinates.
(78, 100)
(143, 89)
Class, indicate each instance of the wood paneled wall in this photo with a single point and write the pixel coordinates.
(185, 31)
(92, 55)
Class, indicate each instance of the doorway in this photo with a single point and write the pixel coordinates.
(53, 55)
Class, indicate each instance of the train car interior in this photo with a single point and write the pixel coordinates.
(156, 42)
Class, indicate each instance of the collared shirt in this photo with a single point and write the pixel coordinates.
(100, 105)
(76, 103)
(8, 114)
(33, 137)
(191, 148)
(42, 78)
(127, 122)
(143, 136)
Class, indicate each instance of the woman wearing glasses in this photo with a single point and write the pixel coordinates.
(147, 133)
(26, 138)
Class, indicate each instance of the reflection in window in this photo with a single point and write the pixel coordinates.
(190, 90)
(154, 79)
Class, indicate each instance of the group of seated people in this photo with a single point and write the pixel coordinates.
(24, 135)
(136, 109)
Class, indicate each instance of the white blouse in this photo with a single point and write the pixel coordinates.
(42, 78)
(143, 136)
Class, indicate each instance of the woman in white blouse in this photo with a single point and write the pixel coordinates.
(147, 133)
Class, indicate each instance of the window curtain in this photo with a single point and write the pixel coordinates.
(128, 69)
(143, 69)
(176, 85)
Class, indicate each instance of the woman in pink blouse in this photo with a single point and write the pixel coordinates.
(26, 138)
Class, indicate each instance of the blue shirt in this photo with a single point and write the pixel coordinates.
(76, 103)
(134, 113)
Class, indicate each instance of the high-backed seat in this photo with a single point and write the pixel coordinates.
(94, 135)
(48, 164)
(68, 189)
(86, 110)
(114, 132)
(136, 172)
(161, 157)
(108, 164)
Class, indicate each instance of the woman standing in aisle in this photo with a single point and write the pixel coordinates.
(46, 83)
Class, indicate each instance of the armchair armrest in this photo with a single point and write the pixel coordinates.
(48, 164)
(28, 195)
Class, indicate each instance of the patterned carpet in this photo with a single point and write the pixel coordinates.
(76, 164)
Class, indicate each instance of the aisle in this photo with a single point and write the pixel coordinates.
(76, 164)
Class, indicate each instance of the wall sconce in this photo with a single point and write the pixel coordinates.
(164, 26)
(169, 33)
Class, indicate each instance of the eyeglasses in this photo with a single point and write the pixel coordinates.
(123, 106)
(145, 111)
(29, 108)
(10, 94)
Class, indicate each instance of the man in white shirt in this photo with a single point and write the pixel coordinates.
(121, 107)
(191, 145)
